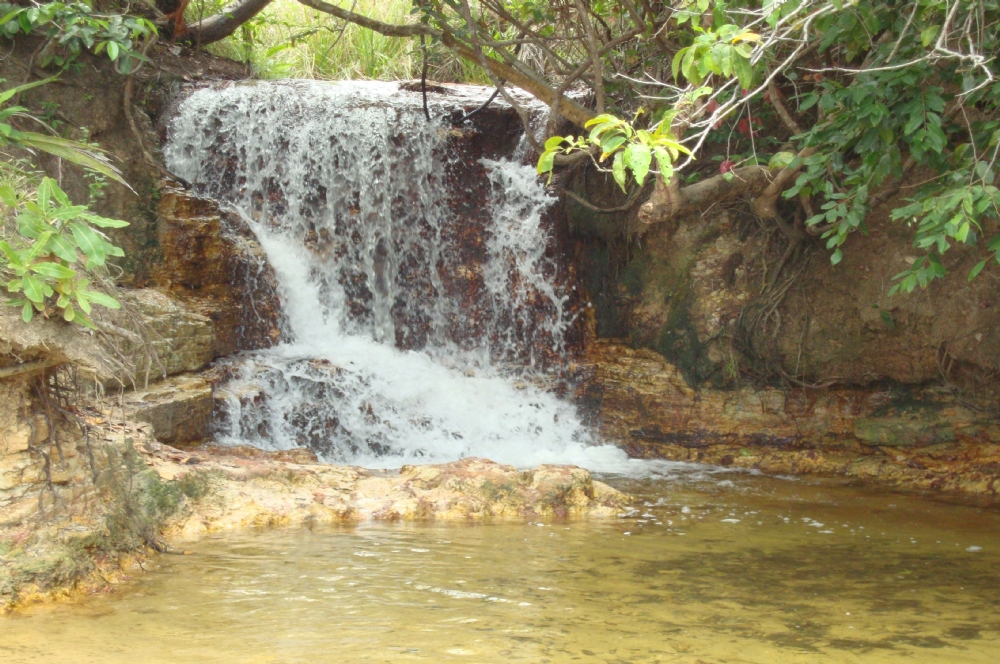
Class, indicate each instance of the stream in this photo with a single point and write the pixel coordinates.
(711, 568)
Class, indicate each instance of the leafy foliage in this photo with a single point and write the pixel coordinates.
(632, 150)
(78, 153)
(887, 92)
(57, 245)
(73, 27)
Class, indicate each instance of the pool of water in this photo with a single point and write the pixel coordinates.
(725, 568)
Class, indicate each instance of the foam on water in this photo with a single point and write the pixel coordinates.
(344, 187)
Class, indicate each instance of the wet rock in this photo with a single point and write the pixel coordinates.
(265, 491)
(212, 262)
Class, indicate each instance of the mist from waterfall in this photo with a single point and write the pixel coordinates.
(383, 363)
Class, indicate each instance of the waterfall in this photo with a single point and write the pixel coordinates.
(413, 334)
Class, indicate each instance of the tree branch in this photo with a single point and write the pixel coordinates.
(567, 107)
(667, 203)
(223, 24)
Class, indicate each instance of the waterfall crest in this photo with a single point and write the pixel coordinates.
(399, 347)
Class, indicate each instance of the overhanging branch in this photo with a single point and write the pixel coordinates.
(223, 24)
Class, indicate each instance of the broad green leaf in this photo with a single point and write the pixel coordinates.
(928, 35)
(34, 289)
(546, 161)
(780, 160)
(618, 170)
(83, 300)
(664, 163)
(676, 64)
(54, 270)
(82, 319)
(44, 193)
(8, 196)
(610, 144)
(638, 158)
(39, 248)
(553, 143)
(113, 50)
(836, 257)
(744, 72)
(30, 226)
(101, 299)
(13, 256)
(63, 248)
(27, 311)
(89, 242)
(69, 212)
(977, 269)
(69, 313)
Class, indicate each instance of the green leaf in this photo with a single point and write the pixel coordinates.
(13, 256)
(836, 257)
(618, 170)
(63, 248)
(638, 158)
(34, 289)
(8, 196)
(676, 65)
(744, 72)
(6, 95)
(546, 161)
(54, 270)
(601, 119)
(553, 143)
(30, 226)
(83, 300)
(780, 160)
(928, 35)
(82, 319)
(977, 269)
(39, 248)
(27, 312)
(69, 313)
(89, 242)
(101, 299)
(610, 144)
(72, 151)
(44, 193)
(113, 50)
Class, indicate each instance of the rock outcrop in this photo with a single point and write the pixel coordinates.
(242, 492)
(911, 437)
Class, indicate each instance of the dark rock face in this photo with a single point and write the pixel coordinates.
(699, 291)
(212, 263)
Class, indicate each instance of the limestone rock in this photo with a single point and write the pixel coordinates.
(912, 437)
(179, 408)
(183, 339)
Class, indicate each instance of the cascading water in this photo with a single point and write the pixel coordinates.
(399, 347)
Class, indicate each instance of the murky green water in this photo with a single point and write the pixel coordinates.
(753, 570)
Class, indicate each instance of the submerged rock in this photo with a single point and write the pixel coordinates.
(242, 492)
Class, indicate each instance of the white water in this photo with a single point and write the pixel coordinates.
(343, 184)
